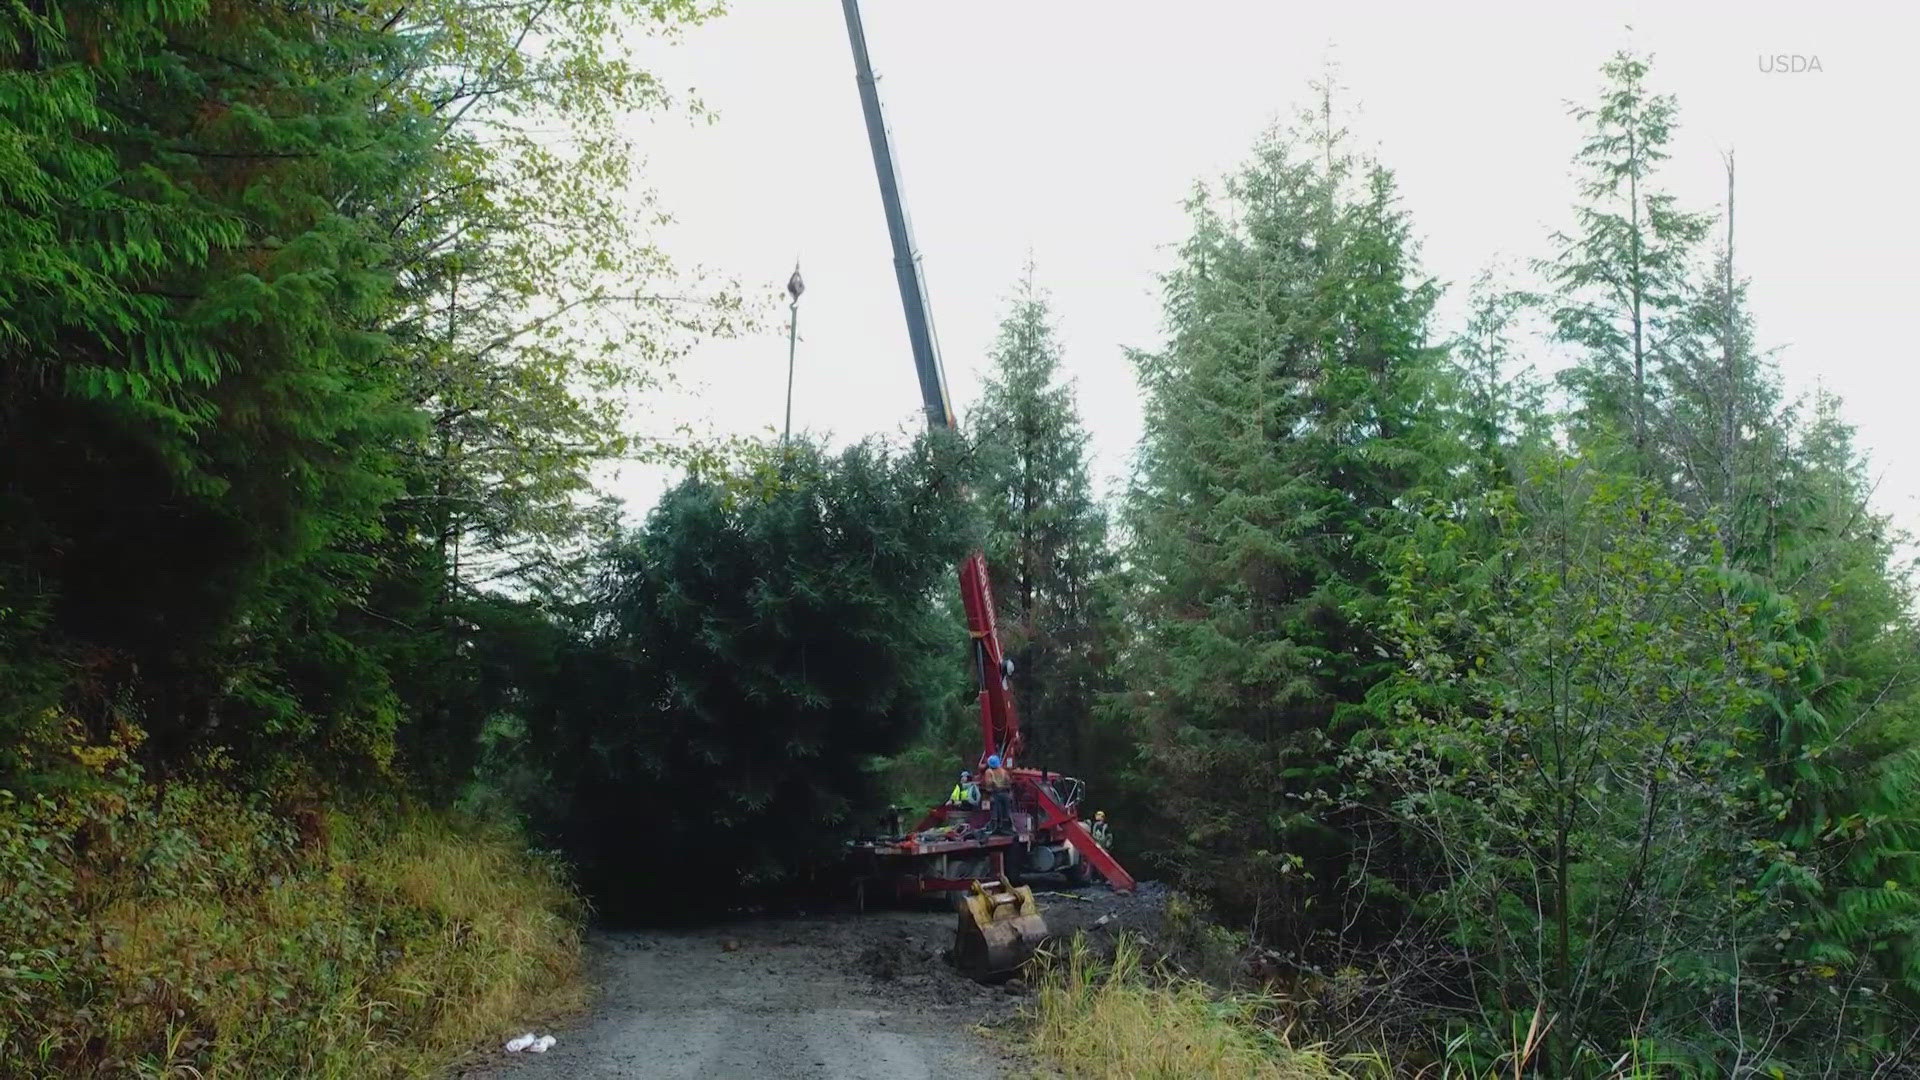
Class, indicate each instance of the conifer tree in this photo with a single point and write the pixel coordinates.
(1623, 276)
(1501, 405)
(206, 357)
(766, 635)
(1046, 535)
(1840, 735)
(1288, 415)
(1724, 428)
(223, 228)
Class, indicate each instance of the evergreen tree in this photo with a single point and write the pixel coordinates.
(1501, 406)
(1287, 418)
(750, 652)
(1780, 934)
(1046, 536)
(1724, 428)
(202, 419)
(1840, 735)
(1623, 276)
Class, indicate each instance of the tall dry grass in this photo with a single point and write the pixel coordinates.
(1113, 1018)
(199, 934)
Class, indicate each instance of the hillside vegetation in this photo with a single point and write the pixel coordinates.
(300, 385)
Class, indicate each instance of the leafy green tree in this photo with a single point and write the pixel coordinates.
(1569, 734)
(200, 414)
(1641, 816)
(1772, 914)
(538, 306)
(536, 312)
(242, 388)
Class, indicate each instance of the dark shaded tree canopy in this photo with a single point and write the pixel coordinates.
(751, 651)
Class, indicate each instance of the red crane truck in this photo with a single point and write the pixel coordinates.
(950, 848)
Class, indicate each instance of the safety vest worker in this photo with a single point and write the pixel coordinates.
(965, 793)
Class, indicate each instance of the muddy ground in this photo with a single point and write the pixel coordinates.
(830, 995)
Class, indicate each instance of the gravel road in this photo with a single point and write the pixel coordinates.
(825, 997)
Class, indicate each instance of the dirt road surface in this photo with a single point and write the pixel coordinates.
(822, 997)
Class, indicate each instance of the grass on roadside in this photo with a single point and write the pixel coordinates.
(1101, 1018)
(196, 933)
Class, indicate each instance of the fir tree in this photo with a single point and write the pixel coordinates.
(751, 650)
(1623, 275)
(1287, 417)
(1046, 536)
(1500, 404)
(1724, 428)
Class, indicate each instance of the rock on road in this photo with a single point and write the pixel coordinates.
(815, 997)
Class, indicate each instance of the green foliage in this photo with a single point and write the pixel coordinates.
(1500, 407)
(281, 349)
(316, 319)
(1291, 411)
(1648, 733)
(313, 320)
(145, 931)
(1617, 759)
(1839, 730)
(213, 394)
(767, 634)
(1611, 751)
(1569, 737)
(1046, 538)
(538, 304)
(1623, 277)
(1724, 426)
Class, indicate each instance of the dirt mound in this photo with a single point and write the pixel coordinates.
(892, 957)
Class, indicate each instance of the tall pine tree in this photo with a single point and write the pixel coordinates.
(1046, 540)
(1723, 429)
(1287, 418)
(1623, 275)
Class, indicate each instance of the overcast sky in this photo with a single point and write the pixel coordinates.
(1074, 129)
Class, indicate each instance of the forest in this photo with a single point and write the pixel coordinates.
(1546, 678)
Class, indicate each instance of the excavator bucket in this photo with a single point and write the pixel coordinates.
(1000, 927)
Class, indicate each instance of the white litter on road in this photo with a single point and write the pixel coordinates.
(520, 1042)
(542, 1045)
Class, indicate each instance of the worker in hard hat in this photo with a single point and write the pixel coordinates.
(997, 783)
(966, 793)
(1102, 832)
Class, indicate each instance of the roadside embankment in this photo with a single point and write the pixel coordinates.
(199, 932)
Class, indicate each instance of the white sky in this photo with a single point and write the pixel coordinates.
(1074, 128)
